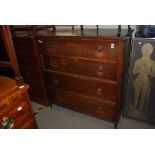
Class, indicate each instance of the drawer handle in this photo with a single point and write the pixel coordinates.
(99, 91)
(100, 69)
(99, 49)
(7, 123)
(19, 108)
(40, 41)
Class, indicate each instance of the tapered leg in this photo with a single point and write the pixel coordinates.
(115, 125)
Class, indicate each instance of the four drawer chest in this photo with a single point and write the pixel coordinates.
(82, 72)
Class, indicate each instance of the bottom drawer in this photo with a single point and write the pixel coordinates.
(83, 104)
(19, 114)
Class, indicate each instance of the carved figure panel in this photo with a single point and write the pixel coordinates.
(140, 100)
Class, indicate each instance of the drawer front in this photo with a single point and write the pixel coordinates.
(18, 110)
(27, 60)
(85, 86)
(12, 102)
(23, 45)
(98, 69)
(82, 104)
(30, 75)
(93, 48)
(30, 124)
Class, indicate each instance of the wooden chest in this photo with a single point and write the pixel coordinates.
(84, 73)
(15, 108)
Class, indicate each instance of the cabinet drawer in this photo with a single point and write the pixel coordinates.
(30, 124)
(31, 75)
(82, 104)
(88, 48)
(27, 60)
(18, 111)
(86, 86)
(98, 69)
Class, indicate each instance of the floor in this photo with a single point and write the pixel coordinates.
(62, 118)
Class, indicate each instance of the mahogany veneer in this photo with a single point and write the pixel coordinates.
(80, 71)
(15, 105)
(84, 73)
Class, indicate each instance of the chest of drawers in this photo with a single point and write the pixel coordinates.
(15, 107)
(84, 73)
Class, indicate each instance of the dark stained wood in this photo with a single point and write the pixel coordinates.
(89, 68)
(31, 75)
(81, 66)
(5, 64)
(29, 61)
(87, 48)
(15, 103)
(6, 35)
(88, 87)
(23, 45)
(36, 91)
(119, 78)
(84, 104)
(81, 72)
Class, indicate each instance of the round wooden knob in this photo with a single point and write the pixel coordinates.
(99, 91)
(99, 49)
(100, 69)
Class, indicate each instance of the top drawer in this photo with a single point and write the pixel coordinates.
(88, 48)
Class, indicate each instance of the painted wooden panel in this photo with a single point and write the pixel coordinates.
(140, 100)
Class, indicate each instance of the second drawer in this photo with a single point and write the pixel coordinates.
(80, 66)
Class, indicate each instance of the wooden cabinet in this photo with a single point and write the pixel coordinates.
(15, 107)
(84, 73)
(79, 71)
(29, 62)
